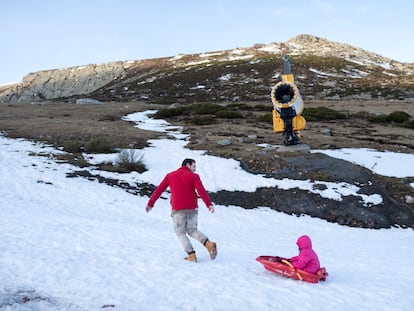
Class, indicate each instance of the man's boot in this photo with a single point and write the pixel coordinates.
(191, 257)
(212, 249)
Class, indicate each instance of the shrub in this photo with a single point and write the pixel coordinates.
(380, 118)
(203, 120)
(72, 147)
(228, 114)
(101, 145)
(262, 107)
(170, 112)
(82, 162)
(359, 114)
(408, 124)
(267, 118)
(131, 160)
(206, 108)
(322, 113)
(396, 117)
(239, 106)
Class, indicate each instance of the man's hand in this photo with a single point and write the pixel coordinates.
(211, 208)
(148, 208)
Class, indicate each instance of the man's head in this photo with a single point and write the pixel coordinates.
(190, 163)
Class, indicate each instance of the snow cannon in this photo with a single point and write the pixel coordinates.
(287, 107)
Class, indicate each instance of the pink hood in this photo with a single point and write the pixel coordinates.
(304, 242)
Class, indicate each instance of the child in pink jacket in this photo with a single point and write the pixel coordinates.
(307, 259)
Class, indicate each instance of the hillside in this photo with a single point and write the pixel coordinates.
(353, 86)
(323, 70)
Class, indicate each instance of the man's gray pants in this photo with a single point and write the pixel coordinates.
(185, 222)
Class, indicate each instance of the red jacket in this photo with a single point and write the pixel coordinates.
(307, 259)
(183, 184)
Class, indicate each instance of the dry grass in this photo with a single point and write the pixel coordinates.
(65, 124)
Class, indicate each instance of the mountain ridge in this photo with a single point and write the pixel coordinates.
(322, 69)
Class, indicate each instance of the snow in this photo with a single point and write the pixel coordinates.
(241, 57)
(382, 163)
(271, 48)
(75, 244)
(211, 54)
(205, 61)
(321, 73)
(225, 77)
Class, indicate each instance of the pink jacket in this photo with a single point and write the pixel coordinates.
(307, 259)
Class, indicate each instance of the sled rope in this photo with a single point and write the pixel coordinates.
(293, 268)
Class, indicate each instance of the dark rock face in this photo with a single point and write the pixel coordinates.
(349, 211)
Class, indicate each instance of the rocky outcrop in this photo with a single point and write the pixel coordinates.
(62, 83)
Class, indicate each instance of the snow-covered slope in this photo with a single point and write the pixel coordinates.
(75, 244)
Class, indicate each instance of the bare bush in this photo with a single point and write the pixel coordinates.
(131, 160)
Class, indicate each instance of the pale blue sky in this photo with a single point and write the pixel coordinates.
(40, 35)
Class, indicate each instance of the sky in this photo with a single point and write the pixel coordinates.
(74, 244)
(49, 34)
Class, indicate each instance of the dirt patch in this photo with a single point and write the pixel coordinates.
(61, 123)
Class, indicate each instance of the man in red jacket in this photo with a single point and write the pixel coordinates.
(184, 185)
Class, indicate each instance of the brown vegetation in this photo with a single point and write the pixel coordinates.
(77, 127)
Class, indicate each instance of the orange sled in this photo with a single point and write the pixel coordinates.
(283, 267)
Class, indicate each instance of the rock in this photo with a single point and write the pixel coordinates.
(326, 131)
(224, 142)
(88, 101)
(304, 148)
(59, 83)
(409, 199)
